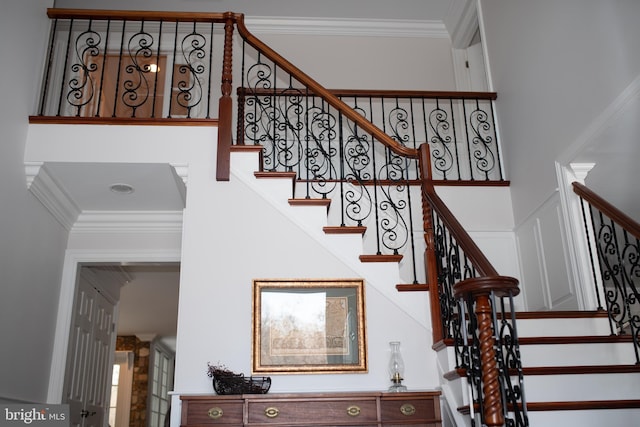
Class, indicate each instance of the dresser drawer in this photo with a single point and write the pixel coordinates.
(395, 411)
(313, 412)
(215, 412)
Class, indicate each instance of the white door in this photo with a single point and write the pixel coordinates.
(89, 366)
(477, 68)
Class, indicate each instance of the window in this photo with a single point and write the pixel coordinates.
(161, 383)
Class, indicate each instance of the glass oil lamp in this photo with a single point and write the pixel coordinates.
(396, 368)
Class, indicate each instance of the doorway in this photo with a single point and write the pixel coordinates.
(136, 299)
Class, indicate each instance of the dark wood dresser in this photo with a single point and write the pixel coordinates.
(369, 409)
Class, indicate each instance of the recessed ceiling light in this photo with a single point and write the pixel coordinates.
(121, 188)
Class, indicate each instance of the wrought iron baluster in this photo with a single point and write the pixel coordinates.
(81, 86)
(483, 155)
(45, 89)
(64, 69)
(455, 138)
(210, 81)
(104, 67)
(117, 84)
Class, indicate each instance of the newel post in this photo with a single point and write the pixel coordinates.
(479, 290)
(430, 257)
(225, 135)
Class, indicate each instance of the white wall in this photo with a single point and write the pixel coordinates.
(232, 235)
(356, 62)
(31, 241)
(556, 65)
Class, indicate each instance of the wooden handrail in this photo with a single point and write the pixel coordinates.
(320, 91)
(623, 220)
(431, 94)
(135, 15)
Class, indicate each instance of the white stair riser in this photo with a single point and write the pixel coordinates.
(570, 388)
(542, 388)
(577, 354)
(562, 327)
(590, 418)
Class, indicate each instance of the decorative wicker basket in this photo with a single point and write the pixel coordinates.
(239, 384)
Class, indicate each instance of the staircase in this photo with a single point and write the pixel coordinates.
(575, 372)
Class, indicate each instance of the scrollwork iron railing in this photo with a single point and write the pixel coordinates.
(333, 158)
(110, 64)
(614, 243)
(459, 126)
(464, 286)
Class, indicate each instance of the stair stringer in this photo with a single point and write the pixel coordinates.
(380, 275)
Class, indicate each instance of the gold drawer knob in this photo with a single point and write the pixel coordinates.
(271, 412)
(353, 411)
(215, 413)
(408, 409)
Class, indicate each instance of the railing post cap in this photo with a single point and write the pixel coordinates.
(501, 285)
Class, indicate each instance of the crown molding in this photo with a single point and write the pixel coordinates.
(461, 21)
(128, 222)
(51, 194)
(347, 27)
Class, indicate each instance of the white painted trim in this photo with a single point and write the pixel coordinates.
(51, 194)
(460, 70)
(346, 27)
(579, 259)
(128, 221)
(462, 22)
(485, 52)
(72, 261)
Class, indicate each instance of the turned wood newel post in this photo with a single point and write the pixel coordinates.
(430, 256)
(225, 135)
(479, 289)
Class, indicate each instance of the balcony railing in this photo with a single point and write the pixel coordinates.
(132, 65)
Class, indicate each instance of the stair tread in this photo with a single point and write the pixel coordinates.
(583, 404)
(381, 258)
(309, 202)
(559, 314)
(413, 287)
(559, 370)
(275, 174)
(245, 148)
(577, 339)
(578, 405)
(342, 229)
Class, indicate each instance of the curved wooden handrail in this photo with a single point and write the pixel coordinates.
(500, 285)
(320, 91)
(623, 220)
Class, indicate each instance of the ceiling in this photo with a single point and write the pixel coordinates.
(148, 306)
(155, 187)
